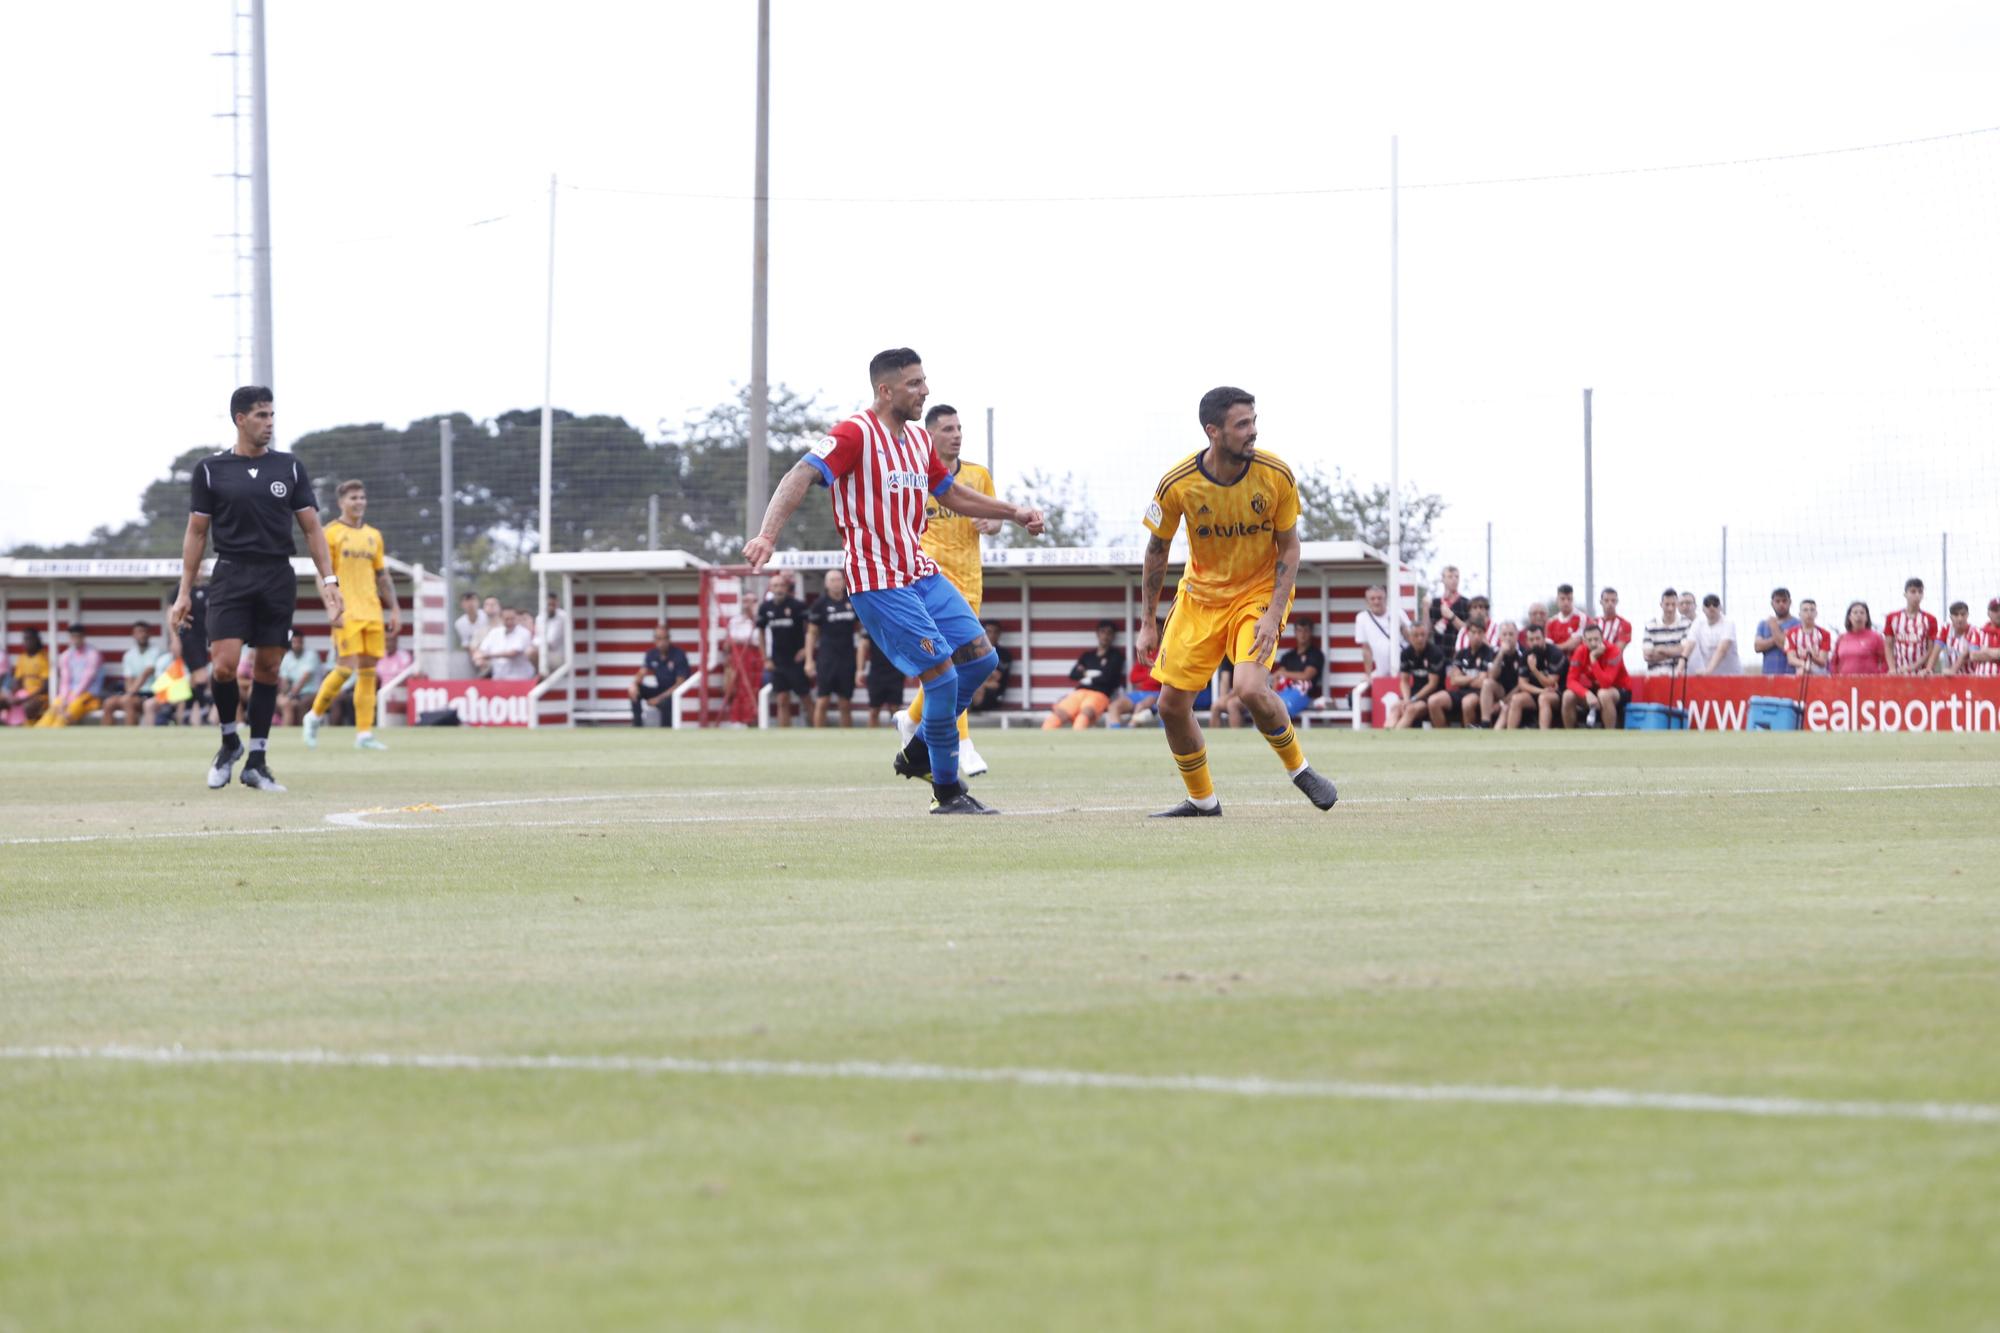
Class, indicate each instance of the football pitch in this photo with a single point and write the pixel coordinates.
(617, 1029)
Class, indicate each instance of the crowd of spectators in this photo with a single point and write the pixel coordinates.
(506, 642)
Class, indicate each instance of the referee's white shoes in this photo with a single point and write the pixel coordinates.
(224, 765)
(258, 776)
(970, 762)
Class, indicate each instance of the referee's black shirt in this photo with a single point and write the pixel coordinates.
(250, 502)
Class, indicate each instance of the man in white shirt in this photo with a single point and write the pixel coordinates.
(510, 649)
(1380, 635)
(1665, 635)
(1710, 648)
(552, 634)
(471, 624)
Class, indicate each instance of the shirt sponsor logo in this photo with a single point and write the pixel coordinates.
(898, 479)
(825, 447)
(1233, 529)
(1154, 514)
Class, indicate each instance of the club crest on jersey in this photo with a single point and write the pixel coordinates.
(278, 489)
(1257, 504)
(927, 646)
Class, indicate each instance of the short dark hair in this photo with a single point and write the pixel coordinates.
(941, 410)
(76, 627)
(1565, 588)
(1785, 593)
(246, 399)
(1910, 583)
(1958, 608)
(1711, 600)
(1612, 591)
(887, 363)
(348, 487)
(1111, 625)
(1805, 602)
(1215, 404)
(1670, 593)
(1480, 601)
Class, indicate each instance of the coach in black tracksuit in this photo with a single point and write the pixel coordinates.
(250, 497)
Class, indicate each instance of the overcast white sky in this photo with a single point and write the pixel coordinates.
(1803, 350)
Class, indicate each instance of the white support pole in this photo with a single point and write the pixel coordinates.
(1027, 647)
(569, 645)
(260, 203)
(548, 415)
(1395, 384)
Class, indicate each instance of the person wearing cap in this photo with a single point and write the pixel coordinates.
(79, 682)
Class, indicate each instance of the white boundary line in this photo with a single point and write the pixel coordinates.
(1602, 1099)
(351, 820)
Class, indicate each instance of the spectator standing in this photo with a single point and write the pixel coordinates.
(832, 657)
(739, 656)
(1463, 679)
(79, 688)
(1711, 646)
(1808, 646)
(1381, 636)
(28, 680)
(509, 649)
(1913, 633)
(782, 618)
(885, 681)
(141, 663)
(992, 692)
(1449, 610)
(1690, 608)
(1665, 635)
(1422, 666)
(1566, 622)
(1959, 641)
(1099, 673)
(471, 625)
(1985, 656)
(1771, 632)
(1541, 669)
(1598, 682)
(298, 680)
(552, 633)
(1860, 651)
(660, 674)
(1616, 628)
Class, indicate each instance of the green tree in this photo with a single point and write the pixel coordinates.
(709, 459)
(1064, 502)
(1337, 508)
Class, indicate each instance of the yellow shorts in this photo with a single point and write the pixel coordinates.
(79, 708)
(361, 638)
(1198, 638)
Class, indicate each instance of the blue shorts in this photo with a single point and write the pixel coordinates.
(918, 626)
(1295, 701)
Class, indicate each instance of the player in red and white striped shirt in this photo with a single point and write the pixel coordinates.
(1913, 634)
(879, 464)
(1807, 646)
(1984, 659)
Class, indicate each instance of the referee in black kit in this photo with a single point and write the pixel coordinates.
(250, 497)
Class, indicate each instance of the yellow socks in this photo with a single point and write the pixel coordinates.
(330, 687)
(364, 701)
(964, 727)
(1194, 773)
(1285, 744)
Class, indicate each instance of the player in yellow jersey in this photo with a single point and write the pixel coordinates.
(367, 591)
(952, 540)
(1241, 507)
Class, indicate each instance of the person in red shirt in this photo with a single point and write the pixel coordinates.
(1617, 629)
(1960, 637)
(1808, 646)
(1597, 675)
(1984, 659)
(1913, 634)
(1567, 622)
(1860, 651)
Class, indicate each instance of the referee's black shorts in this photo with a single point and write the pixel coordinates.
(252, 600)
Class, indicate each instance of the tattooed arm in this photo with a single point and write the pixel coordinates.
(1151, 582)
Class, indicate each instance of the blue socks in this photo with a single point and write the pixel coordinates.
(971, 676)
(940, 727)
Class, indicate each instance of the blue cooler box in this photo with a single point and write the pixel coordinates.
(1768, 713)
(1655, 717)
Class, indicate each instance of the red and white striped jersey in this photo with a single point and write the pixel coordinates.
(1911, 636)
(1814, 644)
(878, 484)
(1986, 636)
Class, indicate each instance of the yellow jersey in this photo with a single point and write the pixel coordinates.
(950, 539)
(1232, 529)
(31, 672)
(357, 558)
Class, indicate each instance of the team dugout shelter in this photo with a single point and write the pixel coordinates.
(1047, 602)
(108, 597)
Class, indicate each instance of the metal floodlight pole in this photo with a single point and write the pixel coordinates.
(1395, 389)
(548, 413)
(1492, 601)
(1589, 519)
(653, 524)
(757, 477)
(989, 443)
(260, 197)
(1725, 567)
(1944, 567)
(446, 489)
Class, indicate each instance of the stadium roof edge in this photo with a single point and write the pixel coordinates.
(111, 571)
(1016, 557)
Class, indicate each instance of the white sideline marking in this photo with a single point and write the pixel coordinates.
(1604, 1099)
(349, 820)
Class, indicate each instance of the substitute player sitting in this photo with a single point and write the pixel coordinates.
(1242, 511)
(879, 464)
(366, 589)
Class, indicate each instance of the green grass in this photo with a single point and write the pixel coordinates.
(1731, 922)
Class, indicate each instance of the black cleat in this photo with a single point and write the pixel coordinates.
(914, 760)
(255, 774)
(1187, 810)
(223, 767)
(1319, 790)
(964, 803)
